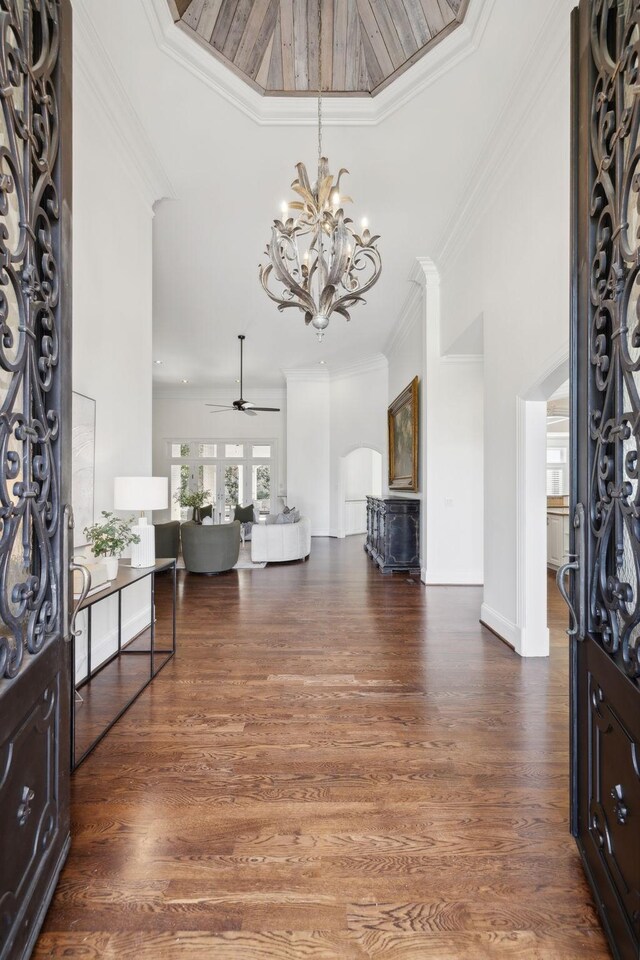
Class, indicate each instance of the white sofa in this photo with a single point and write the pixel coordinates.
(275, 542)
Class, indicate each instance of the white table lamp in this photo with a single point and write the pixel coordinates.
(140, 494)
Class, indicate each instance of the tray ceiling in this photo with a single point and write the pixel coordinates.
(273, 44)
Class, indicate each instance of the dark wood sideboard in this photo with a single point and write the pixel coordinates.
(393, 533)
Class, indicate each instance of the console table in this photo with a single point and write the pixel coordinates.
(393, 533)
(109, 689)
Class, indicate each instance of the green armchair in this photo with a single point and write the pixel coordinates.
(168, 539)
(210, 548)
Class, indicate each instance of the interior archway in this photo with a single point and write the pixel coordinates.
(361, 475)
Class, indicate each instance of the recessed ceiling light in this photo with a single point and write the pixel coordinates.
(185, 381)
(322, 361)
(158, 362)
(237, 381)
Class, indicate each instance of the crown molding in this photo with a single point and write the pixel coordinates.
(93, 67)
(551, 43)
(330, 374)
(462, 358)
(213, 394)
(358, 368)
(423, 274)
(306, 375)
(425, 271)
(301, 111)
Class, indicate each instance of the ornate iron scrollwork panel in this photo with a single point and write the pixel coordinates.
(615, 330)
(29, 304)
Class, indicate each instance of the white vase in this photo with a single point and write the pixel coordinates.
(112, 567)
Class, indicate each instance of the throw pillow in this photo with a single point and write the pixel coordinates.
(271, 518)
(207, 521)
(243, 514)
(292, 517)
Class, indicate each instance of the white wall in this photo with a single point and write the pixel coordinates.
(362, 477)
(453, 414)
(358, 419)
(329, 414)
(451, 431)
(112, 298)
(507, 257)
(363, 474)
(178, 417)
(308, 447)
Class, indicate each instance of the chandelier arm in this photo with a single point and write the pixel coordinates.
(364, 287)
(341, 238)
(265, 273)
(342, 310)
(285, 276)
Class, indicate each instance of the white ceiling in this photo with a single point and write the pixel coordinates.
(229, 175)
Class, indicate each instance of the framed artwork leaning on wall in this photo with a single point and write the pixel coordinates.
(403, 424)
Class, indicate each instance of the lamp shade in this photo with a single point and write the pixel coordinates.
(140, 493)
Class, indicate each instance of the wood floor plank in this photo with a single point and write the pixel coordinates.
(374, 778)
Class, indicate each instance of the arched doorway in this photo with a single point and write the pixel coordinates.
(361, 476)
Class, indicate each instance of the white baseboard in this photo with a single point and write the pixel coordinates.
(517, 637)
(452, 578)
(534, 646)
(503, 628)
(107, 645)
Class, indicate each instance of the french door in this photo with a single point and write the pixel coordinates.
(605, 632)
(35, 431)
(232, 473)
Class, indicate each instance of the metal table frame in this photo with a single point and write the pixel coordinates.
(127, 576)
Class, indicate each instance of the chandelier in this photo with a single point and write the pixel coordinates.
(323, 265)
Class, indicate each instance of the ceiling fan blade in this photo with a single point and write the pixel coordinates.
(250, 413)
(266, 409)
(222, 406)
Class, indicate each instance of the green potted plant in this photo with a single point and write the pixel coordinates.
(196, 499)
(109, 538)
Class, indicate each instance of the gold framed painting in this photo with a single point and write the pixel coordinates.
(403, 425)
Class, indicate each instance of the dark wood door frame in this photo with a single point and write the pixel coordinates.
(605, 439)
(35, 461)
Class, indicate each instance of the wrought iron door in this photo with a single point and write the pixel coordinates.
(35, 424)
(605, 632)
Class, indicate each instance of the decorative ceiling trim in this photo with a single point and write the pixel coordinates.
(93, 64)
(423, 273)
(360, 367)
(301, 111)
(167, 391)
(273, 44)
(328, 374)
(306, 375)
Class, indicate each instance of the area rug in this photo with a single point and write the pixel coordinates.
(244, 559)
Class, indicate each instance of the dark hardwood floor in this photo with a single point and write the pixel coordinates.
(336, 764)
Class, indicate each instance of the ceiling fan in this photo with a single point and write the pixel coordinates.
(242, 405)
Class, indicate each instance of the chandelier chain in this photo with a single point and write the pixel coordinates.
(319, 84)
(324, 265)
